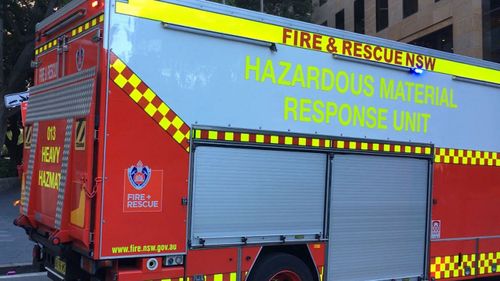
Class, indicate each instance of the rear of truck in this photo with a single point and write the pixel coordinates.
(79, 227)
(60, 176)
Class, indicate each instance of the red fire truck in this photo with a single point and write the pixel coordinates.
(187, 140)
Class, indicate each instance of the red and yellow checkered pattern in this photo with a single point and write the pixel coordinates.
(278, 139)
(262, 138)
(75, 31)
(28, 134)
(467, 157)
(452, 267)
(45, 47)
(87, 25)
(381, 147)
(488, 263)
(146, 98)
(212, 277)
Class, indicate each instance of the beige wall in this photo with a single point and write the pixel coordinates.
(465, 15)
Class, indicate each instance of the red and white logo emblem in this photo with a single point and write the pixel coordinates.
(79, 56)
(139, 175)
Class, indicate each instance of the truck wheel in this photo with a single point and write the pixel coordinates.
(281, 267)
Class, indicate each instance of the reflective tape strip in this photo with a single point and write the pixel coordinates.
(321, 272)
(263, 138)
(306, 141)
(442, 155)
(452, 267)
(52, 100)
(64, 172)
(28, 134)
(87, 25)
(259, 30)
(25, 198)
(45, 47)
(488, 263)
(72, 101)
(75, 31)
(149, 101)
(382, 147)
(467, 157)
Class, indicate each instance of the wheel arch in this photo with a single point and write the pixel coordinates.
(301, 251)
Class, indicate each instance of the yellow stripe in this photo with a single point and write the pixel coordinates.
(340, 144)
(212, 135)
(245, 137)
(204, 20)
(229, 136)
(259, 138)
(352, 145)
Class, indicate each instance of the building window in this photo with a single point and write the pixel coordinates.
(491, 30)
(325, 23)
(441, 40)
(359, 16)
(339, 20)
(321, 2)
(409, 7)
(382, 14)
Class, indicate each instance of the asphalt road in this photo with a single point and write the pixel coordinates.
(39, 276)
(15, 247)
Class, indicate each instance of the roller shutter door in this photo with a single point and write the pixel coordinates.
(377, 217)
(257, 195)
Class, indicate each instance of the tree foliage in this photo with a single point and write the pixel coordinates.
(18, 19)
(293, 9)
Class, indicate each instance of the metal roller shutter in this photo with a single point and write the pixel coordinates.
(261, 195)
(377, 217)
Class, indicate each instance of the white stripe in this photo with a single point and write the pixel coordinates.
(24, 275)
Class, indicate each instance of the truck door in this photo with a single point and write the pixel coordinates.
(378, 217)
(61, 119)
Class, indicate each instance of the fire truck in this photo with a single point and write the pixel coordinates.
(192, 141)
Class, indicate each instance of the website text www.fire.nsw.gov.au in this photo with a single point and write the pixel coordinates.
(132, 248)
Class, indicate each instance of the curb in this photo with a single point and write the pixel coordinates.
(9, 183)
(24, 275)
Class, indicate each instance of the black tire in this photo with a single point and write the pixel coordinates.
(274, 263)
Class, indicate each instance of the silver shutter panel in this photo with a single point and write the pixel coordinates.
(377, 218)
(257, 194)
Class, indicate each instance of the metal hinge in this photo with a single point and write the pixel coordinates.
(62, 44)
(184, 201)
(97, 36)
(91, 237)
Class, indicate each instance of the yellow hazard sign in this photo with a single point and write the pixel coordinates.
(28, 133)
(80, 134)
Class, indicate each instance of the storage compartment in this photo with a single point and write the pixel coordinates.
(253, 195)
(377, 217)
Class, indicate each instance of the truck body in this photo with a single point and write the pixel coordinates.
(187, 140)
